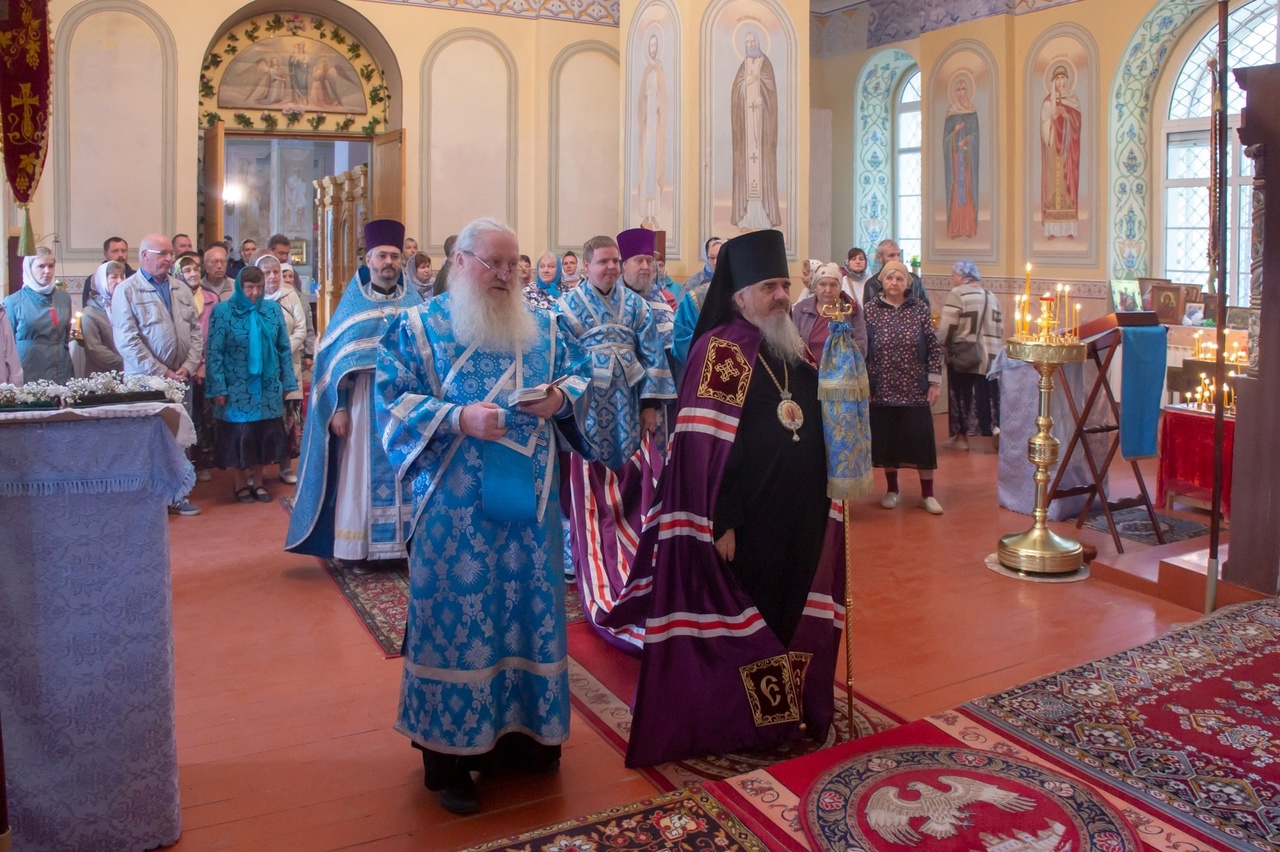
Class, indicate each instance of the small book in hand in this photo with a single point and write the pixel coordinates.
(533, 394)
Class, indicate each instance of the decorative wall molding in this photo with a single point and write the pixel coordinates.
(872, 180)
(553, 150)
(1132, 132)
(604, 12)
(359, 96)
(513, 120)
(902, 20)
(165, 121)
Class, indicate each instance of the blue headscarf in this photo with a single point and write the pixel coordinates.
(263, 360)
(553, 287)
(966, 269)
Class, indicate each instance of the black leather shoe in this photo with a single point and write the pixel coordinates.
(461, 796)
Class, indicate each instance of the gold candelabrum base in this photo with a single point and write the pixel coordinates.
(1039, 550)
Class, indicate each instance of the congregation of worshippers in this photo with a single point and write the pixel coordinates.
(510, 425)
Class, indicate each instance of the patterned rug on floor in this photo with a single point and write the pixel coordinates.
(381, 599)
(602, 683)
(1135, 525)
(1186, 726)
(687, 820)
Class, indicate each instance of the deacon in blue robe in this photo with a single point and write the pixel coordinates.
(348, 504)
(485, 656)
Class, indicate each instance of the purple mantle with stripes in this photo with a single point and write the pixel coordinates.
(714, 678)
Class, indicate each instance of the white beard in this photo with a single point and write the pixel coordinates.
(782, 338)
(490, 324)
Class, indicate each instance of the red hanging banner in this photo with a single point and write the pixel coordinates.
(24, 96)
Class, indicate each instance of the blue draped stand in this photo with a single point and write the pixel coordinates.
(86, 632)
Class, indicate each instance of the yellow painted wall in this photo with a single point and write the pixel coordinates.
(410, 31)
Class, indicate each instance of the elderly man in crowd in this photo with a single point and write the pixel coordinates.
(182, 244)
(113, 249)
(215, 272)
(631, 379)
(888, 251)
(156, 324)
(350, 505)
(485, 682)
(732, 596)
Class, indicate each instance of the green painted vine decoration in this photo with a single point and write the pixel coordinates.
(287, 87)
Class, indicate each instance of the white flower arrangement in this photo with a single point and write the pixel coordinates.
(115, 384)
(40, 393)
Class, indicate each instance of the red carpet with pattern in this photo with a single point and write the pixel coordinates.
(1186, 726)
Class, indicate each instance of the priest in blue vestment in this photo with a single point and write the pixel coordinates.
(630, 382)
(476, 392)
(349, 505)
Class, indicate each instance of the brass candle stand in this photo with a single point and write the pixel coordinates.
(1039, 550)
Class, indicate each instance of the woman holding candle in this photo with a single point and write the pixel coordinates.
(904, 365)
(971, 320)
(41, 317)
(97, 340)
(250, 372)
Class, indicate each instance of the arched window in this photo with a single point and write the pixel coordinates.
(906, 174)
(1251, 40)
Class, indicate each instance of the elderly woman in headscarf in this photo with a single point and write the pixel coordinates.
(41, 317)
(545, 288)
(971, 330)
(813, 325)
(904, 365)
(97, 341)
(295, 323)
(250, 372)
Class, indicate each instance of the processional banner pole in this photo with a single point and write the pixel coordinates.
(6, 836)
(1218, 263)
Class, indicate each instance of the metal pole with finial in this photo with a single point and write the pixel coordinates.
(1218, 265)
(6, 836)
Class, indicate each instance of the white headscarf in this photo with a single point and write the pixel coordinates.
(262, 263)
(99, 291)
(29, 276)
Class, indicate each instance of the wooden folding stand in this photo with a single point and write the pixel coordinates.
(1102, 337)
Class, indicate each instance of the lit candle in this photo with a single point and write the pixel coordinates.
(1027, 295)
(1066, 308)
(1077, 322)
(1197, 341)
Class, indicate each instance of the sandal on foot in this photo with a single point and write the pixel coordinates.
(244, 495)
(261, 495)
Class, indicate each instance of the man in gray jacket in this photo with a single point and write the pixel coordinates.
(156, 327)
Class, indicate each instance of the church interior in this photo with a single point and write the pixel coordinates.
(1064, 147)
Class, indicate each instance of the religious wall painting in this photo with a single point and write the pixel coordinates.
(749, 126)
(294, 72)
(961, 220)
(291, 72)
(1061, 189)
(653, 96)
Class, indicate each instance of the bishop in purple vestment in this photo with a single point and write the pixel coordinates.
(734, 593)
